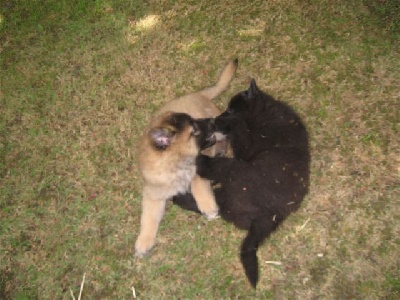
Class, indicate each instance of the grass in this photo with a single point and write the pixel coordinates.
(79, 81)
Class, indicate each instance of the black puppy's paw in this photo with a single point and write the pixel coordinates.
(203, 163)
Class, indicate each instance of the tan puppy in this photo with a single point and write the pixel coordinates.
(167, 154)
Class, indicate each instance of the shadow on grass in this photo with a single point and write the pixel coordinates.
(387, 13)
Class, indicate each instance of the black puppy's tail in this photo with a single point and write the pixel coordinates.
(248, 257)
(259, 230)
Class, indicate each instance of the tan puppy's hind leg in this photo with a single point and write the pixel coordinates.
(204, 196)
(152, 213)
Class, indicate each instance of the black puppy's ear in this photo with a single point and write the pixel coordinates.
(253, 89)
(161, 137)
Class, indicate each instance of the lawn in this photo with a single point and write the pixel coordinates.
(80, 80)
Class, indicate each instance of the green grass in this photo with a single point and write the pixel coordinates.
(79, 81)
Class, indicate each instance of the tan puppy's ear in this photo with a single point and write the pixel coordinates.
(161, 137)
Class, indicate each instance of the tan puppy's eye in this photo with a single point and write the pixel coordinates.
(195, 130)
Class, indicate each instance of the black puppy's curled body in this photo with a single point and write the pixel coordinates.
(268, 176)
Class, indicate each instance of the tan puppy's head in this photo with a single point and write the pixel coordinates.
(180, 133)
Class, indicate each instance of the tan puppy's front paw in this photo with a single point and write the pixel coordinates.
(210, 211)
(212, 215)
(143, 246)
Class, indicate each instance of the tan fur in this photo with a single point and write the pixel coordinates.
(199, 104)
(202, 190)
(173, 170)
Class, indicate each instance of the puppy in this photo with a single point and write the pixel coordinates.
(167, 154)
(268, 176)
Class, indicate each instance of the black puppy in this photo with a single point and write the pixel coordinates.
(269, 174)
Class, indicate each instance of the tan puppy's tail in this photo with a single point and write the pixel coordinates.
(223, 82)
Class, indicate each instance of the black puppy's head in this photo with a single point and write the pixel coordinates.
(238, 108)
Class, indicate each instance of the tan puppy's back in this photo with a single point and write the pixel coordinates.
(195, 105)
(199, 104)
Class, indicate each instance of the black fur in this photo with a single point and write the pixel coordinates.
(269, 174)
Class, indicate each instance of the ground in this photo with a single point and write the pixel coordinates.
(80, 80)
